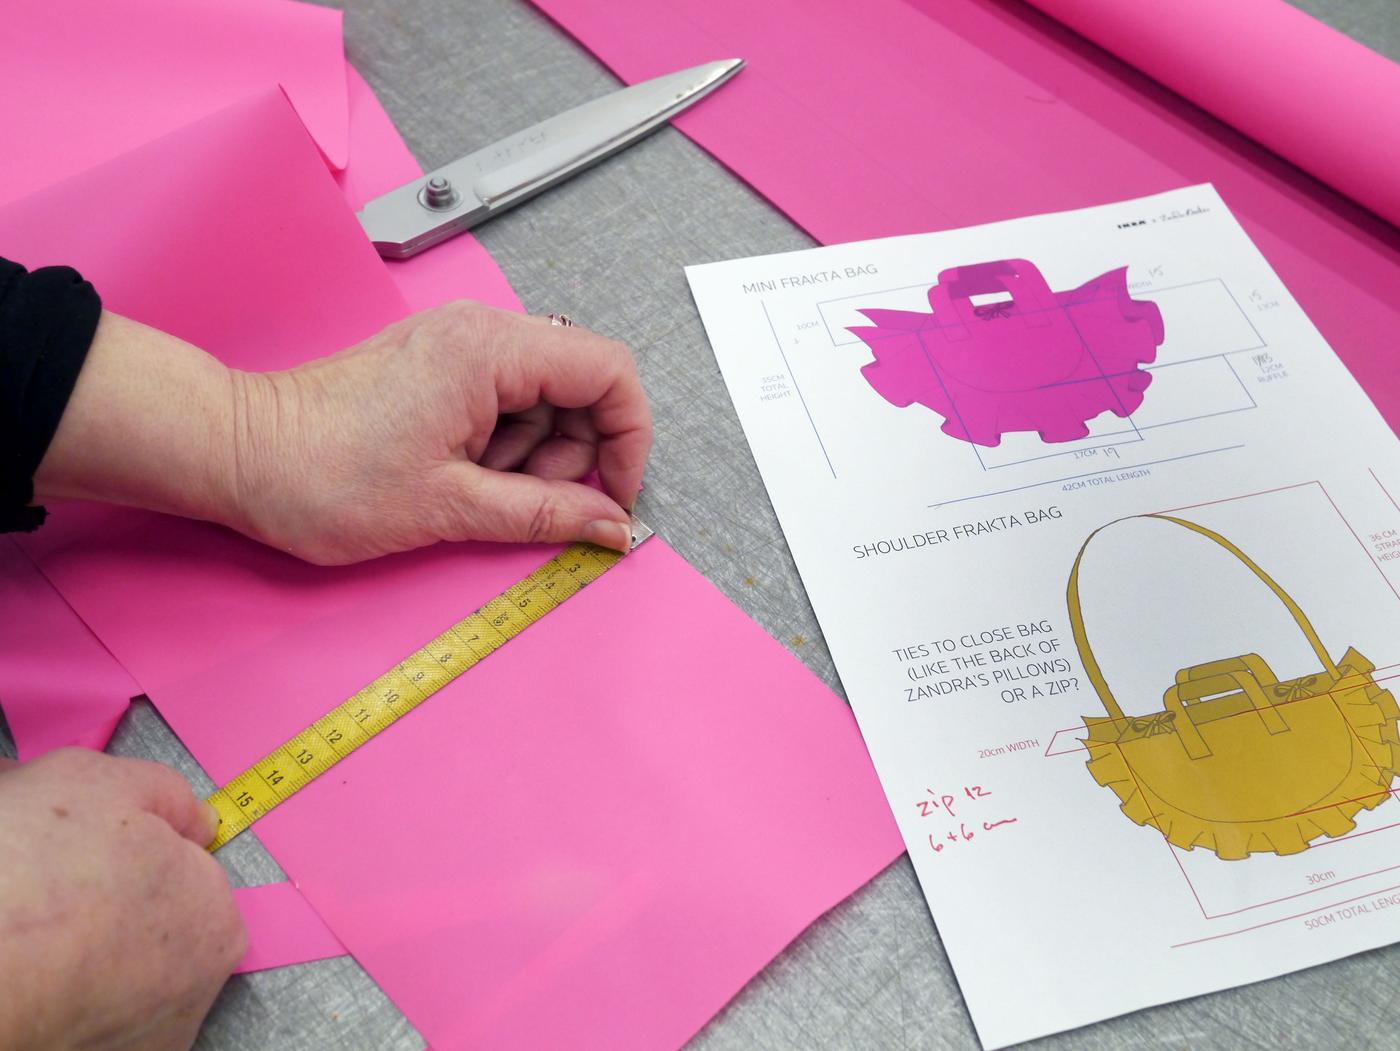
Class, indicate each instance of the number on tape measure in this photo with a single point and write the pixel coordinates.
(287, 769)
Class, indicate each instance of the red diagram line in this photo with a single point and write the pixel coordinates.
(1359, 541)
(1384, 489)
(1176, 853)
(1282, 919)
(1325, 842)
(1243, 496)
(1081, 729)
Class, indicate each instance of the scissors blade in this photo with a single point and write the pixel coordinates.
(468, 191)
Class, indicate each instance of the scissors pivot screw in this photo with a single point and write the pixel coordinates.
(458, 195)
(439, 194)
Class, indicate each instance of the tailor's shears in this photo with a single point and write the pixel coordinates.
(468, 191)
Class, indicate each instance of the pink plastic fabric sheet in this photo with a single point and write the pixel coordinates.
(85, 80)
(288, 930)
(39, 631)
(82, 709)
(380, 162)
(1309, 93)
(600, 834)
(900, 116)
(60, 685)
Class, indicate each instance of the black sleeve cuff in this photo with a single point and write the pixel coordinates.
(47, 321)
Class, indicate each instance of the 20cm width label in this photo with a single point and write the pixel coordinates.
(369, 711)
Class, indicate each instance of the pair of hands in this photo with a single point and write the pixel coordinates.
(117, 929)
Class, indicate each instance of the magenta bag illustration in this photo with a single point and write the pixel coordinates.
(1040, 361)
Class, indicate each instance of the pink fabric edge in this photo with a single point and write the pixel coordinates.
(283, 928)
(40, 633)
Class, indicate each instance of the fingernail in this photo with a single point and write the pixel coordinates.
(604, 533)
(211, 813)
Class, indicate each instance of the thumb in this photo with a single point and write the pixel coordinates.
(524, 508)
(158, 789)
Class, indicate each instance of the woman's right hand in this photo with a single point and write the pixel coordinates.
(117, 927)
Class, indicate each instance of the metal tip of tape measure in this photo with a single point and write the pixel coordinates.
(640, 532)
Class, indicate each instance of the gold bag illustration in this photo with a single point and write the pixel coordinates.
(1236, 761)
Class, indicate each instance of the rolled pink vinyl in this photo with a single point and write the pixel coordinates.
(1309, 93)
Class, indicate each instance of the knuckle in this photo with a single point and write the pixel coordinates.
(71, 762)
(65, 757)
(470, 318)
(164, 780)
(150, 837)
(620, 352)
(542, 524)
(320, 555)
(215, 904)
(232, 937)
(473, 336)
(462, 310)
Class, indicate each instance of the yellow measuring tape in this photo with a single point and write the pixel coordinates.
(286, 770)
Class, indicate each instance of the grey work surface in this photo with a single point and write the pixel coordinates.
(608, 248)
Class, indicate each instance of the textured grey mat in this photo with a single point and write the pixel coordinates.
(608, 248)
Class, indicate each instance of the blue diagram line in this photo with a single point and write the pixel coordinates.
(1223, 357)
(1158, 366)
(1089, 474)
(1247, 319)
(1148, 292)
(1123, 413)
(947, 394)
(1069, 452)
(1203, 416)
(1132, 441)
(796, 386)
(1247, 393)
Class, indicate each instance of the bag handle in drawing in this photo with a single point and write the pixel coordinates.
(1081, 637)
(1242, 679)
(951, 296)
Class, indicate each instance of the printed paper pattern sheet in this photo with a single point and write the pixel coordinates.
(1103, 538)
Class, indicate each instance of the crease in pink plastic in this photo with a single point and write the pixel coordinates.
(283, 928)
(60, 686)
(118, 75)
(40, 632)
(86, 81)
(606, 828)
(84, 706)
(456, 269)
(1028, 360)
